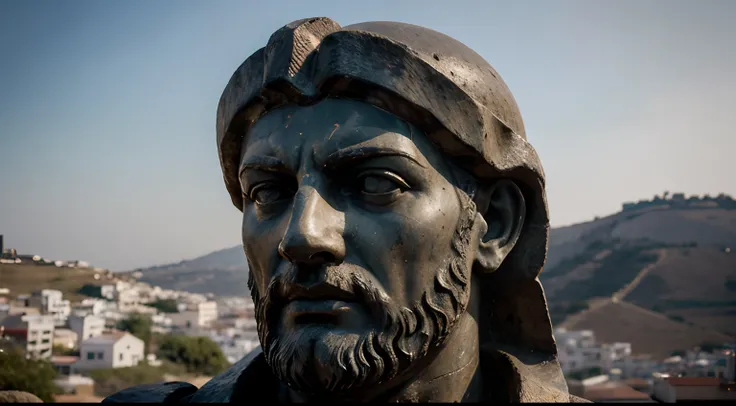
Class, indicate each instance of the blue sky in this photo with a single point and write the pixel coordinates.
(107, 109)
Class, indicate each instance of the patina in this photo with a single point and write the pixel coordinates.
(394, 222)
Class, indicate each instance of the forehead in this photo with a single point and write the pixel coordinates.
(319, 130)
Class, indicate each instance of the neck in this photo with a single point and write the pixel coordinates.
(451, 374)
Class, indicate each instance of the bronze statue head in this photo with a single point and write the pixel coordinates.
(394, 216)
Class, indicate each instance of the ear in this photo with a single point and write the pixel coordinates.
(502, 208)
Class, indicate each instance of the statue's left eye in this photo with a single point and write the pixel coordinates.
(376, 185)
(380, 183)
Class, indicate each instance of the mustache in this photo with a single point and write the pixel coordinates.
(346, 282)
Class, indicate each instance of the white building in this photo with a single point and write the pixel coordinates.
(111, 350)
(145, 292)
(128, 301)
(121, 286)
(87, 326)
(197, 315)
(64, 337)
(235, 346)
(578, 351)
(35, 332)
(91, 306)
(107, 291)
(161, 323)
(51, 302)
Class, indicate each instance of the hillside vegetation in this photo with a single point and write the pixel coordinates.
(25, 279)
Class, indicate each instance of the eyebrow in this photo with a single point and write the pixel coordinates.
(356, 153)
(262, 162)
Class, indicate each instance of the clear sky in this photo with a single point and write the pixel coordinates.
(107, 108)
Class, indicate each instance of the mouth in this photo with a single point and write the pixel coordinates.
(319, 311)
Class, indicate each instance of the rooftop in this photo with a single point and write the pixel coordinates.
(693, 381)
(108, 337)
(63, 359)
(610, 391)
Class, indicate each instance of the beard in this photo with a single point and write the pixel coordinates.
(323, 362)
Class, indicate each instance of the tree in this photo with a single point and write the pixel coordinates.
(27, 375)
(197, 354)
(165, 305)
(139, 325)
(63, 350)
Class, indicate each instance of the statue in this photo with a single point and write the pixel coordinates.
(394, 220)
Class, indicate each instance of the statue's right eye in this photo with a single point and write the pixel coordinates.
(269, 193)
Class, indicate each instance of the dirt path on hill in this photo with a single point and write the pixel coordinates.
(623, 292)
(617, 296)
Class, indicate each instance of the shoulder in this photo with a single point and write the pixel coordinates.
(248, 378)
(166, 392)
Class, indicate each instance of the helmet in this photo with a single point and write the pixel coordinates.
(434, 81)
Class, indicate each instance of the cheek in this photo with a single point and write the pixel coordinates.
(261, 239)
(406, 247)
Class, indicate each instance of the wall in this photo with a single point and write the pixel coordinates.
(40, 335)
(127, 352)
(106, 361)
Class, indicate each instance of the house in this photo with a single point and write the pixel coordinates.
(100, 291)
(161, 323)
(34, 332)
(87, 326)
(688, 389)
(91, 306)
(128, 301)
(66, 338)
(201, 314)
(64, 364)
(51, 302)
(637, 366)
(116, 349)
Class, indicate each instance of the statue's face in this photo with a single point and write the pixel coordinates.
(358, 241)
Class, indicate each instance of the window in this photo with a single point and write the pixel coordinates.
(90, 355)
(100, 355)
(45, 341)
(121, 356)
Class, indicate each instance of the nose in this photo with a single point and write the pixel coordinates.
(314, 235)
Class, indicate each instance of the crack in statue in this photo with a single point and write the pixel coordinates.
(395, 223)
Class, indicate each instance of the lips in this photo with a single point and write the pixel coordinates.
(303, 312)
(319, 304)
(319, 292)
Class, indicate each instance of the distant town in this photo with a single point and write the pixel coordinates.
(43, 323)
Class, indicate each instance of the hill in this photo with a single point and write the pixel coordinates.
(25, 279)
(661, 276)
(648, 332)
(223, 272)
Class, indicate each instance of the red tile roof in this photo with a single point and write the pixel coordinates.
(693, 381)
(63, 359)
(613, 391)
